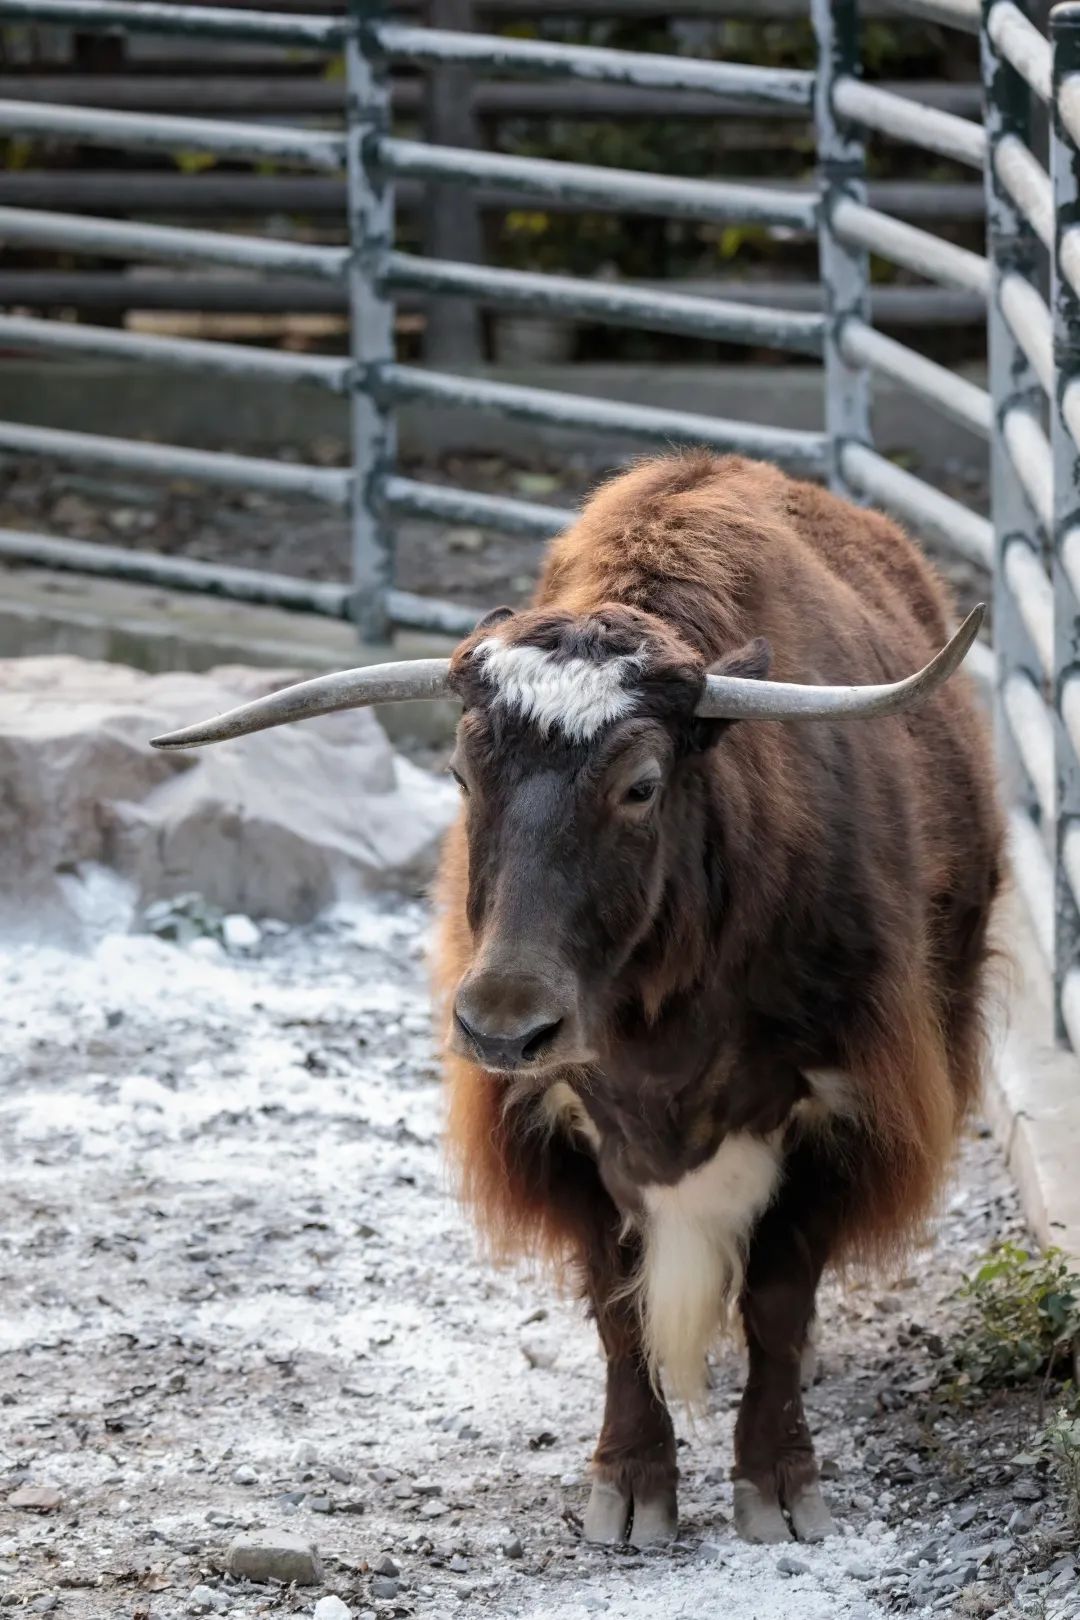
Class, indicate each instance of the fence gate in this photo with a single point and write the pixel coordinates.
(1029, 278)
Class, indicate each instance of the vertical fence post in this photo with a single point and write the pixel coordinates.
(845, 271)
(1011, 248)
(371, 313)
(1065, 308)
(453, 229)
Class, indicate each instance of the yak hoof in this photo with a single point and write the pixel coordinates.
(656, 1519)
(607, 1514)
(810, 1515)
(756, 1518)
(614, 1515)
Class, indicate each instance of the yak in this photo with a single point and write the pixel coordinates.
(713, 936)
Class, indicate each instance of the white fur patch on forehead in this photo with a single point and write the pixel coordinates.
(577, 696)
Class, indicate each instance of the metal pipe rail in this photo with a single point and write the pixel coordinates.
(1030, 323)
(929, 511)
(596, 65)
(1028, 184)
(954, 396)
(110, 238)
(908, 245)
(1029, 451)
(791, 447)
(189, 22)
(891, 114)
(330, 485)
(587, 185)
(1030, 584)
(159, 132)
(611, 303)
(1020, 43)
(182, 354)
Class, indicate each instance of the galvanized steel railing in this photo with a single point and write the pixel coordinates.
(1030, 414)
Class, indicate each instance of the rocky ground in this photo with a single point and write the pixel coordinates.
(239, 1301)
(472, 566)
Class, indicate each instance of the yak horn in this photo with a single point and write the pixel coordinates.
(729, 697)
(351, 689)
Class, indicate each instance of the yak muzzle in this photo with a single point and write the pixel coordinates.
(509, 1022)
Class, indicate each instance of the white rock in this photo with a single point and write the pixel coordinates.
(332, 1608)
(244, 1474)
(540, 1352)
(240, 933)
(282, 823)
(200, 1600)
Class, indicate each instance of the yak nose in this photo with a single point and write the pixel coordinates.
(507, 1024)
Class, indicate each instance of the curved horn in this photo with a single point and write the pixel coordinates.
(351, 689)
(728, 697)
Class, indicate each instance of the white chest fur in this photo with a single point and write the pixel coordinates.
(695, 1235)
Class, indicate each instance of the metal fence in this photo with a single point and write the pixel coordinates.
(1030, 415)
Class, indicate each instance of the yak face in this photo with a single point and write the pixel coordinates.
(576, 757)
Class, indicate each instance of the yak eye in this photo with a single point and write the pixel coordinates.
(642, 791)
(459, 780)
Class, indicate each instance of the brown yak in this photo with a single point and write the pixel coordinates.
(712, 984)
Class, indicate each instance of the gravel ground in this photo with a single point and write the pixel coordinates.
(239, 1298)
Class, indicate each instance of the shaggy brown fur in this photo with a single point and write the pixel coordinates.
(826, 895)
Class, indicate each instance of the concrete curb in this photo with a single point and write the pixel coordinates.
(1032, 1092)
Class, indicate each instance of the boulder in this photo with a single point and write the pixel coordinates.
(279, 824)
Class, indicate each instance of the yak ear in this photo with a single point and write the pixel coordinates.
(497, 616)
(750, 662)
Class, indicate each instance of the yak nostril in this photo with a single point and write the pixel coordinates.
(539, 1039)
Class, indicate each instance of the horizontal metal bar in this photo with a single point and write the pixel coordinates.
(1029, 452)
(720, 320)
(1034, 596)
(911, 247)
(1028, 319)
(411, 612)
(143, 16)
(981, 665)
(176, 573)
(1019, 41)
(957, 398)
(442, 503)
(109, 238)
(156, 132)
(183, 354)
(171, 461)
(929, 513)
(1035, 880)
(1033, 734)
(1068, 101)
(953, 13)
(790, 447)
(588, 186)
(597, 65)
(883, 110)
(212, 192)
(1028, 184)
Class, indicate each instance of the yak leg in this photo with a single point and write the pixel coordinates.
(634, 1471)
(775, 1468)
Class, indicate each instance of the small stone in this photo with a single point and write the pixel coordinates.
(791, 1566)
(512, 1547)
(35, 1499)
(382, 1586)
(861, 1503)
(433, 1509)
(965, 1516)
(1026, 1490)
(274, 1555)
(539, 1352)
(239, 933)
(341, 1475)
(332, 1608)
(305, 1455)
(829, 1469)
(1021, 1521)
(385, 1566)
(427, 1487)
(859, 1570)
(458, 1565)
(45, 1604)
(200, 1600)
(319, 1504)
(245, 1475)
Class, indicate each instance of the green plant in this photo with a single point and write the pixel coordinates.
(1023, 1315)
(1061, 1444)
